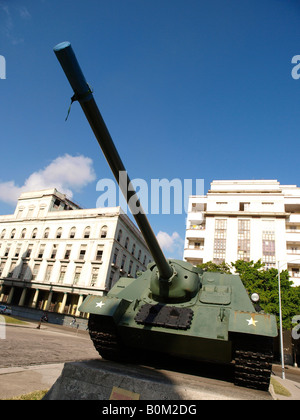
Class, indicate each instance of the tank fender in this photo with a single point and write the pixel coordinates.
(110, 306)
(252, 323)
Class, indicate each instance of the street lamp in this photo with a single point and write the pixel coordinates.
(280, 326)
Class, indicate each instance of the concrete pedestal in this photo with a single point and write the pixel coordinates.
(96, 379)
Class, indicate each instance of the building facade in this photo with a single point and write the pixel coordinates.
(54, 253)
(248, 220)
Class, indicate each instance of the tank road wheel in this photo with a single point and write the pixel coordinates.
(103, 333)
(253, 362)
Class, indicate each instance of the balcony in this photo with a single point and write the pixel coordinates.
(196, 217)
(294, 218)
(194, 253)
(195, 233)
(293, 235)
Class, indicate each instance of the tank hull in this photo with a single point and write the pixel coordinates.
(219, 324)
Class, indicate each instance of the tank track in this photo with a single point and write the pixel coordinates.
(103, 333)
(253, 364)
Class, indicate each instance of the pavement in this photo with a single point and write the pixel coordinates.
(21, 380)
(292, 386)
(18, 380)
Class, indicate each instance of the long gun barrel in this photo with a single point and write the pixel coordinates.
(83, 94)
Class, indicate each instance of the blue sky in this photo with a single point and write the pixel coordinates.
(189, 89)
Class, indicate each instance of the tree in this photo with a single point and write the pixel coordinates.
(211, 266)
(265, 283)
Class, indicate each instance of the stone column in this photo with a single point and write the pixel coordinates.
(62, 305)
(47, 307)
(10, 296)
(80, 299)
(23, 296)
(35, 299)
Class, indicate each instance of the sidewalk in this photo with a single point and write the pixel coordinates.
(16, 381)
(292, 386)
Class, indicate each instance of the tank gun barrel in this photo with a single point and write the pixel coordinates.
(84, 95)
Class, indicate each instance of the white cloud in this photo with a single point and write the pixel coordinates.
(170, 243)
(12, 16)
(65, 173)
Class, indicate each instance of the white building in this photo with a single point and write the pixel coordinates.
(53, 253)
(249, 220)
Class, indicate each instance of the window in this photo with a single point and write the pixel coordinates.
(41, 251)
(23, 271)
(123, 262)
(126, 243)
(42, 211)
(77, 274)
(11, 269)
(3, 233)
(6, 252)
(95, 272)
(62, 273)
(46, 233)
(268, 243)
(56, 204)
(18, 250)
(53, 253)
(48, 272)
(35, 271)
(20, 212)
(34, 233)
(139, 255)
(244, 206)
(133, 249)
(114, 261)
(23, 233)
(12, 235)
(30, 212)
(82, 252)
(111, 279)
(130, 267)
(103, 232)
(2, 264)
(72, 232)
(28, 252)
(243, 252)
(119, 237)
(68, 252)
(58, 233)
(220, 241)
(99, 253)
(87, 232)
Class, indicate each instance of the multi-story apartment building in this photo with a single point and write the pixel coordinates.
(249, 220)
(53, 253)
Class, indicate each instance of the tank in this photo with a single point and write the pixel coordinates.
(173, 307)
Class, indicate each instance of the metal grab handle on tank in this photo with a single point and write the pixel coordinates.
(83, 94)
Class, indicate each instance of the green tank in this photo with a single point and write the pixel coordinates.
(172, 307)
